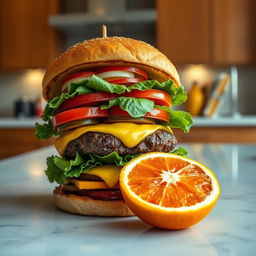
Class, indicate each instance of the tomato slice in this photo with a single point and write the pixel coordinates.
(134, 70)
(89, 99)
(95, 98)
(78, 114)
(75, 78)
(124, 81)
(159, 97)
(157, 114)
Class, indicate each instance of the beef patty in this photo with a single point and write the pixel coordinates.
(103, 144)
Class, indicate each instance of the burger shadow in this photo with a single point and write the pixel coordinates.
(159, 232)
(40, 202)
(152, 231)
(126, 225)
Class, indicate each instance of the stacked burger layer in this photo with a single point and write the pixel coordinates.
(109, 100)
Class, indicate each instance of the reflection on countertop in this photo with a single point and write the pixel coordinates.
(30, 221)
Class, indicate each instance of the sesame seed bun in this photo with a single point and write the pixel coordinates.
(107, 51)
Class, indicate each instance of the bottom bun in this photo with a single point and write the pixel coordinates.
(83, 205)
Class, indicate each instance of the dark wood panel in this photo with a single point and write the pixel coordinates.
(17, 141)
(26, 39)
(183, 30)
(233, 35)
(219, 32)
(218, 135)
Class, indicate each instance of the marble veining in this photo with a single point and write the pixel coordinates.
(31, 224)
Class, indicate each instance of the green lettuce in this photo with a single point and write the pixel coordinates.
(113, 158)
(60, 169)
(54, 173)
(177, 119)
(136, 107)
(97, 84)
(74, 89)
(180, 151)
(178, 94)
(45, 131)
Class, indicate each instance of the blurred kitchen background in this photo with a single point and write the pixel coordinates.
(212, 43)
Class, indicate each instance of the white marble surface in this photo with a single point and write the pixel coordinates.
(31, 225)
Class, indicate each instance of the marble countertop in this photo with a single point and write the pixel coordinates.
(31, 225)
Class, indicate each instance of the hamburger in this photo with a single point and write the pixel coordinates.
(108, 100)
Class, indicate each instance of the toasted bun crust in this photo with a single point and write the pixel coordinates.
(86, 206)
(104, 52)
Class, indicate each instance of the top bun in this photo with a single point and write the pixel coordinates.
(106, 51)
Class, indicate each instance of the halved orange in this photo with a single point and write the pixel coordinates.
(167, 190)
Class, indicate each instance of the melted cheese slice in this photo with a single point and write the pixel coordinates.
(109, 173)
(82, 184)
(130, 134)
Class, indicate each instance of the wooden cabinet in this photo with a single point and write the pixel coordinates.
(233, 27)
(220, 32)
(182, 29)
(26, 40)
(217, 135)
(15, 141)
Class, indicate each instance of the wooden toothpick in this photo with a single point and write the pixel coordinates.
(104, 31)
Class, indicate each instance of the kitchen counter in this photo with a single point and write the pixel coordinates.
(12, 122)
(240, 121)
(245, 121)
(31, 225)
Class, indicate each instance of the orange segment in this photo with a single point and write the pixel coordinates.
(162, 184)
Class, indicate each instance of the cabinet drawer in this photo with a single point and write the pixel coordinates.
(218, 135)
(15, 141)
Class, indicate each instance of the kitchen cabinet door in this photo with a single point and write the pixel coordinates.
(219, 32)
(233, 29)
(217, 135)
(26, 40)
(183, 30)
(14, 141)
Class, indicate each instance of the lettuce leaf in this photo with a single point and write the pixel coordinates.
(60, 169)
(99, 85)
(180, 151)
(54, 173)
(136, 107)
(45, 131)
(178, 94)
(177, 119)
(114, 158)
(74, 89)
